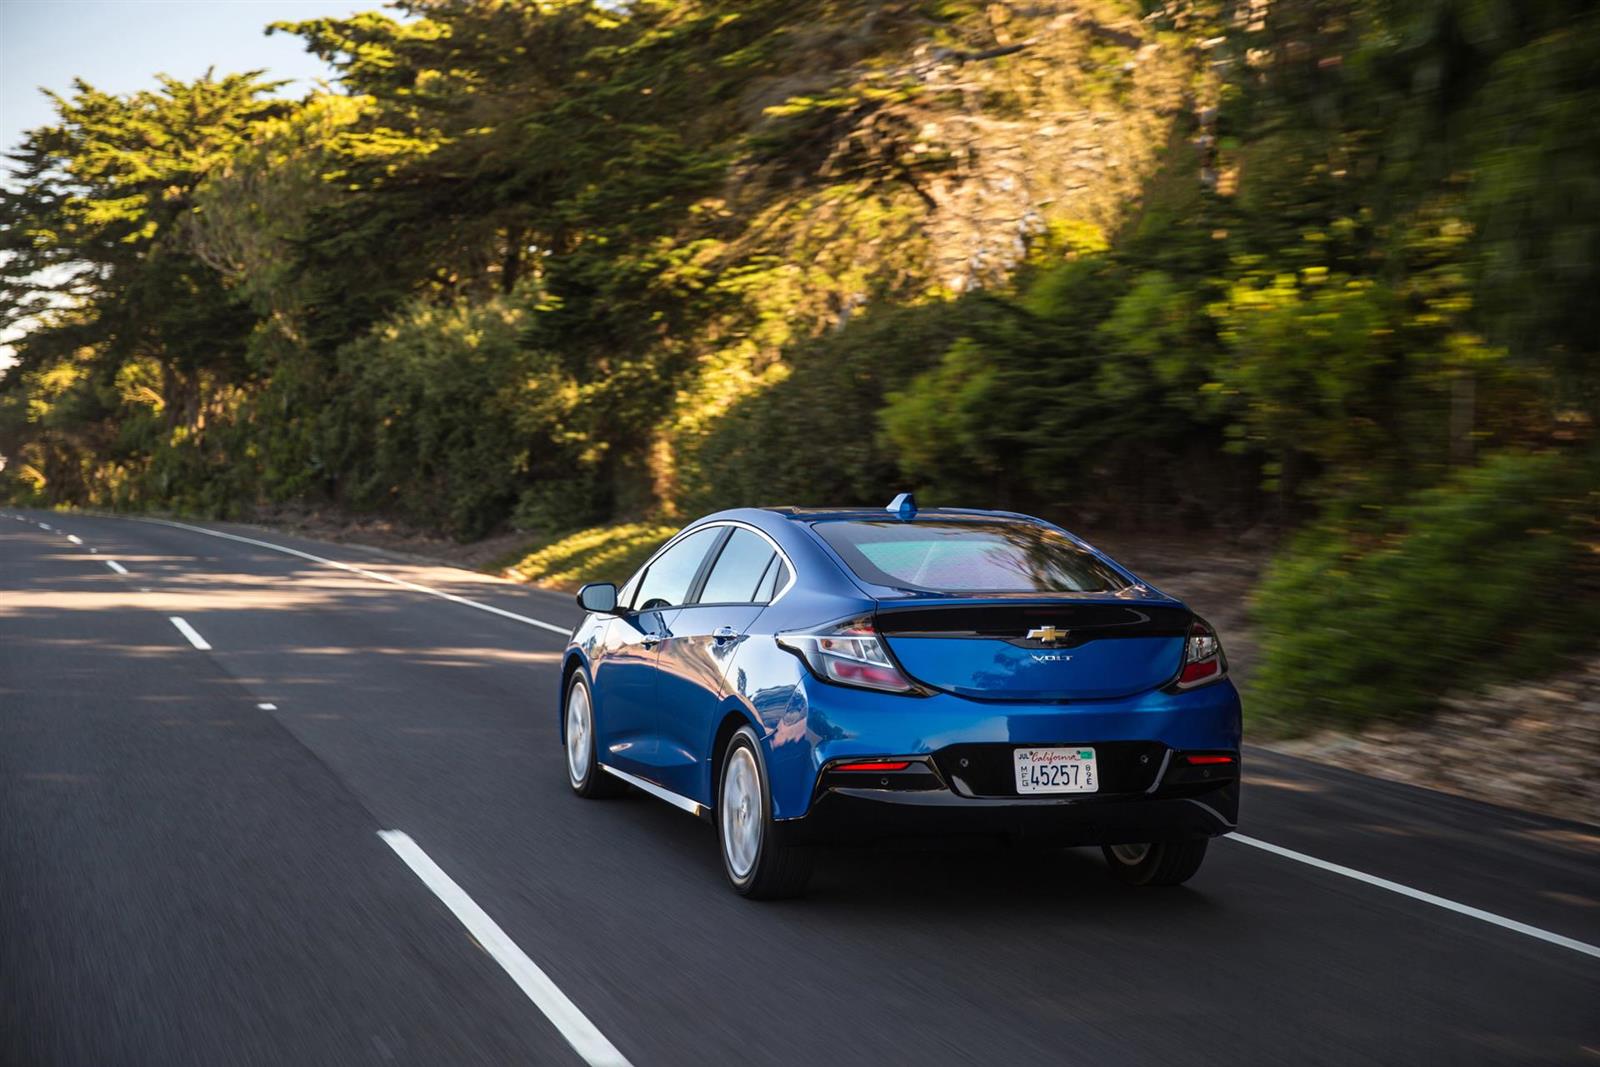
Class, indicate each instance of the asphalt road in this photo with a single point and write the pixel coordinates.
(191, 870)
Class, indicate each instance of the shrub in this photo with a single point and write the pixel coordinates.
(1486, 577)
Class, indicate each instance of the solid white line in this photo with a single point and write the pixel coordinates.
(1417, 894)
(114, 565)
(580, 1033)
(189, 631)
(75, 539)
(413, 586)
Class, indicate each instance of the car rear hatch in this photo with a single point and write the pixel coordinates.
(1049, 649)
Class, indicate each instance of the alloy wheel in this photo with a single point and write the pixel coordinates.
(580, 733)
(741, 812)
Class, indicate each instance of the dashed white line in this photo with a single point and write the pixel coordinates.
(413, 586)
(190, 632)
(114, 565)
(1417, 894)
(267, 707)
(75, 539)
(46, 526)
(580, 1033)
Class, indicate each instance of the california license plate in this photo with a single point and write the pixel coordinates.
(1056, 770)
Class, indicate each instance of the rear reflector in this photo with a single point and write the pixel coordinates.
(1205, 761)
(874, 765)
(1198, 672)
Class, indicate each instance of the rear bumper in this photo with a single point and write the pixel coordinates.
(846, 815)
(1172, 799)
(823, 724)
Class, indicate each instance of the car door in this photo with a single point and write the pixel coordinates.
(696, 659)
(625, 676)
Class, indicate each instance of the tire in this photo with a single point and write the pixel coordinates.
(583, 769)
(757, 861)
(1159, 863)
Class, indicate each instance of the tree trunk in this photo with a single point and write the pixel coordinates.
(511, 266)
(1463, 416)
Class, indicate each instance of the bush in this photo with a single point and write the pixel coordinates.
(1490, 576)
(444, 417)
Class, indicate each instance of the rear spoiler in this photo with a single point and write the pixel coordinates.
(1099, 617)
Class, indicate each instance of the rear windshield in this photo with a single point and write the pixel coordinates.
(968, 557)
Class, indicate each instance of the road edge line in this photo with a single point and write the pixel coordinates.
(1427, 898)
(413, 586)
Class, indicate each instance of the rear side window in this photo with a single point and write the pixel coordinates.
(666, 583)
(776, 577)
(742, 563)
(968, 557)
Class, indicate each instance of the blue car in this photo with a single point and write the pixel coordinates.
(807, 677)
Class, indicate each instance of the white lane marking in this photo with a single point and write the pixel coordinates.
(75, 539)
(267, 707)
(413, 586)
(96, 551)
(1427, 898)
(580, 1033)
(45, 526)
(189, 631)
(114, 565)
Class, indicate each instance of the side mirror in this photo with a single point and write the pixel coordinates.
(598, 596)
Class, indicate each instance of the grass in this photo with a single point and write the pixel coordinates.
(598, 554)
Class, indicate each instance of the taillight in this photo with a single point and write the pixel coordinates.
(1203, 661)
(849, 653)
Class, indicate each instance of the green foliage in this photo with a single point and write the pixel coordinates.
(1536, 201)
(1490, 576)
(442, 416)
(94, 259)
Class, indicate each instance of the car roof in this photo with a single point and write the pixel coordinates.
(814, 514)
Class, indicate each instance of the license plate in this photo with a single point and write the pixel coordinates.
(1056, 770)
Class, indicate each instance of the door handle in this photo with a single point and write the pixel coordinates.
(723, 634)
(651, 639)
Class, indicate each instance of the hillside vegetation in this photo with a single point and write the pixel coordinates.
(1327, 266)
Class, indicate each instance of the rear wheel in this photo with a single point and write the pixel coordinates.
(759, 864)
(583, 767)
(1157, 863)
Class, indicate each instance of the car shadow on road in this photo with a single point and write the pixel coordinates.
(936, 876)
(955, 876)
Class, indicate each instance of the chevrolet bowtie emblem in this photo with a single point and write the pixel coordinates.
(1048, 635)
